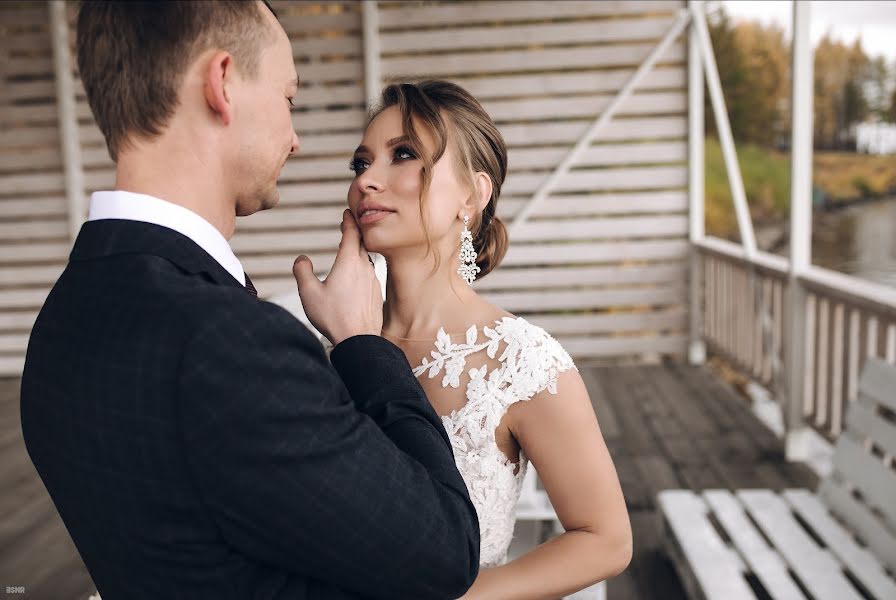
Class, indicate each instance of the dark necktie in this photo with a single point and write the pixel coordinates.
(249, 287)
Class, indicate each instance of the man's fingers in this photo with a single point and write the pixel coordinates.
(351, 237)
(303, 271)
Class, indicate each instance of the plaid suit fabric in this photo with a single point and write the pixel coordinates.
(198, 444)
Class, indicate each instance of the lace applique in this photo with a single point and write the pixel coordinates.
(531, 362)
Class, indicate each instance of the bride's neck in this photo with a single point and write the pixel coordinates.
(418, 304)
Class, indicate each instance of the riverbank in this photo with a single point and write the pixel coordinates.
(840, 179)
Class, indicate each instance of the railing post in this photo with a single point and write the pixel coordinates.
(797, 431)
(68, 119)
(696, 165)
(372, 73)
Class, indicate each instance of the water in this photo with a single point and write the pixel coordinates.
(859, 240)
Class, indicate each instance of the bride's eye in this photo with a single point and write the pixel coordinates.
(357, 165)
(403, 153)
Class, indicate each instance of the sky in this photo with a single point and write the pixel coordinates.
(874, 20)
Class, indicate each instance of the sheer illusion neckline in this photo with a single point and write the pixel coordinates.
(442, 333)
(446, 347)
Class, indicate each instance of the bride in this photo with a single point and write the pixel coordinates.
(428, 174)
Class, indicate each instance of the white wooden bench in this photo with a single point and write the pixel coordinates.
(536, 519)
(837, 544)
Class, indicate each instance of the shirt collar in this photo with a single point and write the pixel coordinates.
(119, 204)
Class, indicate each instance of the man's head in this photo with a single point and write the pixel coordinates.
(207, 74)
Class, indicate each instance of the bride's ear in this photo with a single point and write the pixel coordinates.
(483, 190)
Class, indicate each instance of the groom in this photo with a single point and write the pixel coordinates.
(196, 440)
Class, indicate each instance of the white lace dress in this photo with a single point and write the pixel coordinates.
(511, 362)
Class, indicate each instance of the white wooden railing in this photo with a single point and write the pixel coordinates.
(845, 321)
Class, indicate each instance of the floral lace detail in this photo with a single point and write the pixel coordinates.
(530, 363)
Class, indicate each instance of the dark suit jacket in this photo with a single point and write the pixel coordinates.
(198, 443)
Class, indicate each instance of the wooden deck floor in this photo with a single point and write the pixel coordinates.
(667, 426)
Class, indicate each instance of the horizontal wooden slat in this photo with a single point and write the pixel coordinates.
(602, 227)
(30, 183)
(554, 277)
(472, 37)
(602, 179)
(29, 275)
(11, 208)
(541, 300)
(642, 103)
(34, 230)
(12, 364)
(35, 252)
(569, 132)
(601, 347)
(17, 320)
(594, 252)
(23, 137)
(13, 342)
(508, 61)
(673, 319)
(486, 12)
(310, 24)
(600, 155)
(37, 159)
(553, 84)
(331, 45)
(38, 66)
(24, 298)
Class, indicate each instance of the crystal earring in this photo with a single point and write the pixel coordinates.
(468, 267)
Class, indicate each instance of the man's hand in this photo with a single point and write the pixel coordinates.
(349, 301)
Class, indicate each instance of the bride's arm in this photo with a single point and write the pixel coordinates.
(560, 435)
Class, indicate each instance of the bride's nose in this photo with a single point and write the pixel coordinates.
(369, 181)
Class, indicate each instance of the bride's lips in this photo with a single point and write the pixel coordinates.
(374, 216)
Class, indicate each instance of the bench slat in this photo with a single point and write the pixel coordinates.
(862, 563)
(764, 561)
(861, 521)
(862, 421)
(876, 482)
(718, 570)
(817, 569)
(879, 382)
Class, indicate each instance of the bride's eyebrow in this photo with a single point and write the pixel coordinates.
(402, 139)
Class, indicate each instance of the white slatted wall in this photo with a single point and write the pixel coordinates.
(34, 239)
(601, 263)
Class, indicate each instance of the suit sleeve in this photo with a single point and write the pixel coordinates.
(347, 480)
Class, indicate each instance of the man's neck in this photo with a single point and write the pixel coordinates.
(172, 177)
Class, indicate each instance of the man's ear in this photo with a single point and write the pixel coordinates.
(219, 75)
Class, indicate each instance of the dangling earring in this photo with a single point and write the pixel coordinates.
(468, 267)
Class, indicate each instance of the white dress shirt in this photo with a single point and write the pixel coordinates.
(119, 204)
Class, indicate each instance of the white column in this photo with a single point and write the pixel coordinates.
(696, 165)
(372, 72)
(800, 230)
(68, 118)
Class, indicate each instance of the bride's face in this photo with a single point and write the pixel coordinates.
(385, 194)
